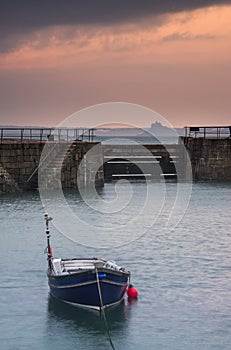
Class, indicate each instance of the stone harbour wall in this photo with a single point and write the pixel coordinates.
(210, 158)
(76, 164)
(18, 160)
(20, 165)
(7, 182)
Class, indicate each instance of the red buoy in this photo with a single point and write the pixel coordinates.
(132, 292)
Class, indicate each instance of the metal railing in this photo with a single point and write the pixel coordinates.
(45, 134)
(208, 131)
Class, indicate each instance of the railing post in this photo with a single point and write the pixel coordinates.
(22, 131)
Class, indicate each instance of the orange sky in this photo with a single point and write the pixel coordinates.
(177, 64)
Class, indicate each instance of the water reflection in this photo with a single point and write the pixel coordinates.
(80, 319)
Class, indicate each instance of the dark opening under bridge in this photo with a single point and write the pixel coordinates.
(147, 162)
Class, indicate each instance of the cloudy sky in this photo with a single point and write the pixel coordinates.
(58, 56)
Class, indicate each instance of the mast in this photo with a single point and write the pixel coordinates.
(49, 251)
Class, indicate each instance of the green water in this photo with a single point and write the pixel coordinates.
(183, 276)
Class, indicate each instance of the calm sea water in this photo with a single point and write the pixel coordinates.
(183, 276)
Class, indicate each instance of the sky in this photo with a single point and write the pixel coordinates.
(172, 56)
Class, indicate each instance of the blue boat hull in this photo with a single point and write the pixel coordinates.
(88, 289)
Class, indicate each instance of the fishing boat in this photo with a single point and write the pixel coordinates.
(93, 283)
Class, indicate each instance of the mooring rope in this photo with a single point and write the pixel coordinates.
(103, 311)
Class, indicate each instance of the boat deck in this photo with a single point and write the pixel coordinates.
(67, 266)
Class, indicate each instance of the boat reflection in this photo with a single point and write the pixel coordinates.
(83, 319)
